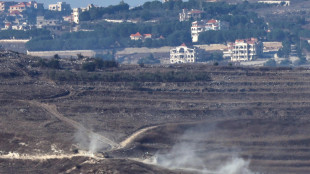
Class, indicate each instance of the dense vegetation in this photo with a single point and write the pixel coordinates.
(19, 34)
(161, 20)
(165, 24)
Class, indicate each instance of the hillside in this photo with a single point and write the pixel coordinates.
(255, 119)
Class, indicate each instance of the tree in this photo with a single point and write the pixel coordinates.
(271, 63)
(89, 66)
(148, 60)
(285, 62)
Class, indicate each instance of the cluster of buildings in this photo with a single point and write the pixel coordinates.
(240, 50)
(143, 37)
(19, 14)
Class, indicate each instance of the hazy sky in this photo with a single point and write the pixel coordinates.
(84, 3)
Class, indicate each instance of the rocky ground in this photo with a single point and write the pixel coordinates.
(242, 120)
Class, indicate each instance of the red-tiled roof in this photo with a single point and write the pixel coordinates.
(147, 34)
(249, 41)
(137, 34)
(184, 45)
(196, 11)
(213, 21)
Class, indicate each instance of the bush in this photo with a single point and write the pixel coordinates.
(53, 63)
(271, 63)
(89, 66)
(125, 77)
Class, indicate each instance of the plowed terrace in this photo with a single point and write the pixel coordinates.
(260, 113)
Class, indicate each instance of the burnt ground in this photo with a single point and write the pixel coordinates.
(258, 114)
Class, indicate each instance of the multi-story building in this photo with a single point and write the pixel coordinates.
(60, 6)
(244, 50)
(24, 6)
(21, 7)
(50, 24)
(203, 25)
(183, 54)
(186, 15)
(76, 15)
(5, 5)
(76, 12)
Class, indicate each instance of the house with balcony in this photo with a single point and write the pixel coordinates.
(244, 50)
(206, 25)
(183, 54)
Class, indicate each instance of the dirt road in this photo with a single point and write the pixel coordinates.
(52, 109)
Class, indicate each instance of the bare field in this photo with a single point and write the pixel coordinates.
(255, 117)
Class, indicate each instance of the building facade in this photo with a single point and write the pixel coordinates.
(60, 6)
(24, 6)
(244, 50)
(49, 24)
(20, 7)
(76, 15)
(183, 54)
(186, 15)
(5, 6)
(204, 25)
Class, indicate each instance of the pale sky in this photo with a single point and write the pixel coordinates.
(84, 3)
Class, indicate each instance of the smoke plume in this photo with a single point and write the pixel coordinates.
(191, 154)
(89, 141)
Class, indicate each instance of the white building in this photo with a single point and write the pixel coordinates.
(60, 6)
(186, 15)
(284, 3)
(76, 12)
(203, 25)
(76, 15)
(244, 50)
(183, 54)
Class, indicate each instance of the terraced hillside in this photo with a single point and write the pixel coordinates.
(254, 118)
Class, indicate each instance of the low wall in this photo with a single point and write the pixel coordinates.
(14, 40)
(144, 50)
(62, 54)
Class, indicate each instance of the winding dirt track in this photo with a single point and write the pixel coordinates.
(132, 137)
(53, 110)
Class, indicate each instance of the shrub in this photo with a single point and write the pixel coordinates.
(89, 66)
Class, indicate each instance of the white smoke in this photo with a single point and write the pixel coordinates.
(190, 154)
(89, 141)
